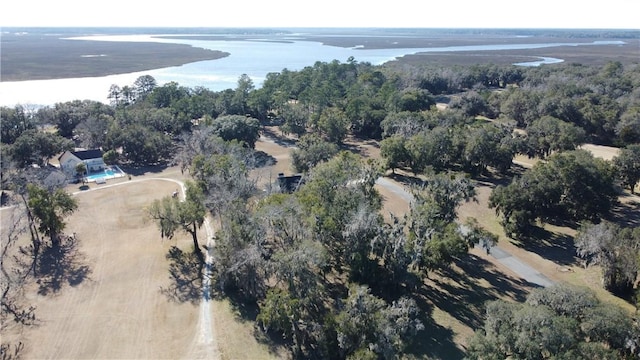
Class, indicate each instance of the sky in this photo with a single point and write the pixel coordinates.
(571, 14)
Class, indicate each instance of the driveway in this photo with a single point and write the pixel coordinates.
(513, 263)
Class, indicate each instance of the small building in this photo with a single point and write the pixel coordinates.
(289, 184)
(91, 158)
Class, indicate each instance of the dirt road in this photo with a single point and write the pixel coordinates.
(117, 310)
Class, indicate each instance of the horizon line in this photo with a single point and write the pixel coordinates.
(314, 27)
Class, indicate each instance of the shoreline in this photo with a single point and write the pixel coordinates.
(28, 58)
(41, 56)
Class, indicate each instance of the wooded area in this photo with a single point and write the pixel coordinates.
(326, 272)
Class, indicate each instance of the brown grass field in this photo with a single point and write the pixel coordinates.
(119, 306)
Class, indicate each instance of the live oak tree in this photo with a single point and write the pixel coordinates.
(295, 118)
(91, 131)
(415, 100)
(299, 292)
(521, 106)
(172, 215)
(37, 147)
(394, 152)
(486, 145)
(434, 239)
(333, 192)
(559, 321)
(49, 209)
(15, 121)
(333, 124)
(220, 168)
(140, 144)
(431, 149)
(237, 127)
(224, 179)
(68, 115)
(404, 124)
(615, 249)
(368, 325)
(627, 166)
(164, 96)
(311, 149)
(571, 185)
(548, 135)
(628, 129)
(365, 113)
(240, 258)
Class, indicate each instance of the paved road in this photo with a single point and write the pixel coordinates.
(516, 265)
(520, 268)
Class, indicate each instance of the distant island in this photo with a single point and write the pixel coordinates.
(47, 53)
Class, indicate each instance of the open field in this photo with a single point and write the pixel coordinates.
(116, 298)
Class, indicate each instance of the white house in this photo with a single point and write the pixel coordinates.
(91, 158)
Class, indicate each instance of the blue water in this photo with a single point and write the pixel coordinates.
(101, 174)
(256, 58)
(259, 57)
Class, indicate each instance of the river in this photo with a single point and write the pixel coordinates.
(255, 57)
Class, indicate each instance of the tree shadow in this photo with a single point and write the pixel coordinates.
(138, 170)
(627, 212)
(262, 159)
(4, 198)
(493, 180)
(462, 291)
(550, 245)
(464, 287)
(278, 138)
(435, 341)
(185, 271)
(244, 308)
(406, 179)
(61, 264)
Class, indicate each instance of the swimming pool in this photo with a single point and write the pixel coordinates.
(110, 172)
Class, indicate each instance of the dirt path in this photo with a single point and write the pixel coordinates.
(499, 254)
(118, 310)
(205, 345)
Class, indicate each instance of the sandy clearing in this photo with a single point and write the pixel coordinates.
(601, 151)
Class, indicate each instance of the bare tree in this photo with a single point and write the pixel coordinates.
(15, 266)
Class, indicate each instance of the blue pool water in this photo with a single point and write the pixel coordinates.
(108, 173)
